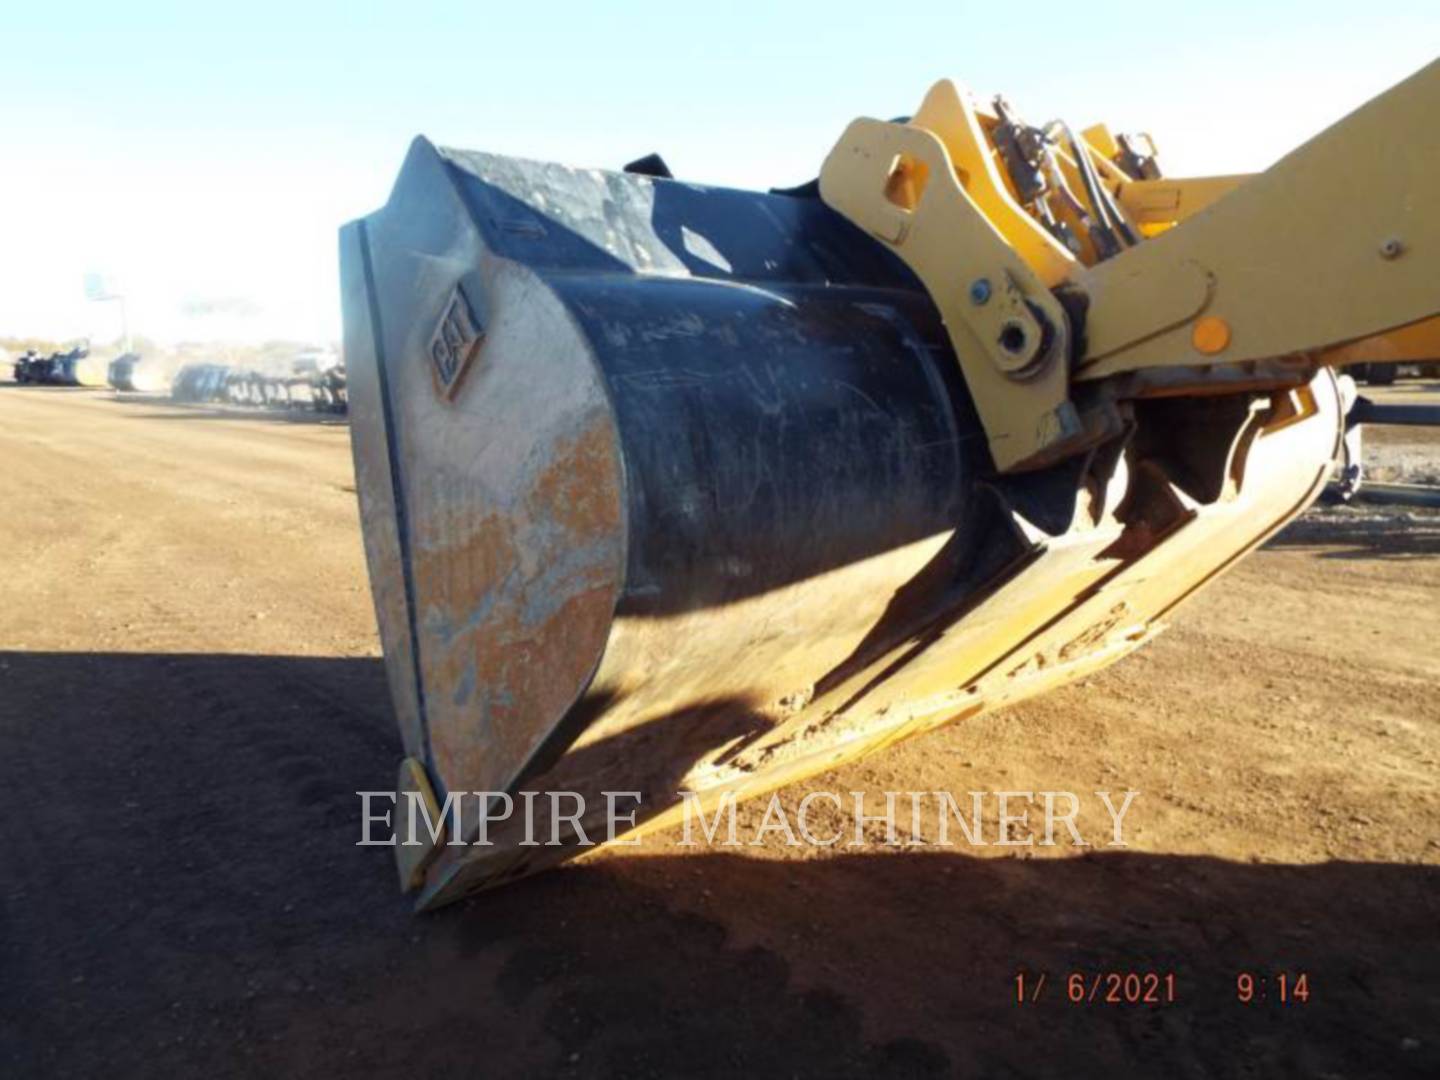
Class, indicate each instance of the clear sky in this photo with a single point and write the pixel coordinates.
(205, 153)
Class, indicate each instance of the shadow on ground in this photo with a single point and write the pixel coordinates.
(46, 388)
(182, 896)
(187, 410)
(195, 410)
(1365, 532)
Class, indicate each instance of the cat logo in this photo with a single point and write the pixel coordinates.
(453, 344)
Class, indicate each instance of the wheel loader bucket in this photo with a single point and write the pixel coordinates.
(670, 489)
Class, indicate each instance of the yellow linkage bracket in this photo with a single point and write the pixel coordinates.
(900, 183)
(1332, 256)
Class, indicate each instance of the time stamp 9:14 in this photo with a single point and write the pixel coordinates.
(1153, 987)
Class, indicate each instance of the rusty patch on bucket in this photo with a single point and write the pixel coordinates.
(518, 603)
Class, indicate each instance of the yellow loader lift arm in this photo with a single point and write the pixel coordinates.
(1058, 261)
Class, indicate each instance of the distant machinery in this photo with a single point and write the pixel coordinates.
(316, 383)
(68, 368)
(130, 372)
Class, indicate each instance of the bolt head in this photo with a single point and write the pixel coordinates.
(1391, 249)
(980, 291)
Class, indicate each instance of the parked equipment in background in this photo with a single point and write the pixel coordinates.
(71, 367)
(319, 380)
(24, 366)
(309, 387)
(1385, 374)
(1352, 484)
(199, 383)
(668, 488)
(130, 373)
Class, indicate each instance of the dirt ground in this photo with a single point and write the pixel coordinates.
(191, 695)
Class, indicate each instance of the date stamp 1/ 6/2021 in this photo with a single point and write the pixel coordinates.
(1154, 988)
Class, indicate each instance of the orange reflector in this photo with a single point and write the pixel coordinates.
(1210, 335)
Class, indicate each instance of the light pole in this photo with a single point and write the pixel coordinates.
(97, 289)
